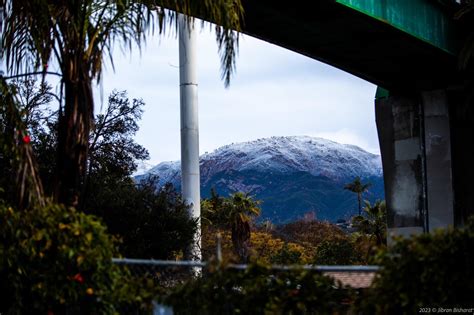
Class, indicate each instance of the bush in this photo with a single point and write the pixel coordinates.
(340, 251)
(289, 254)
(259, 290)
(308, 233)
(264, 248)
(425, 271)
(55, 259)
(151, 223)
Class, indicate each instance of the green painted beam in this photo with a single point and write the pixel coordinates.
(424, 19)
(381, 93)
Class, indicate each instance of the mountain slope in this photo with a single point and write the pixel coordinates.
(291, 175)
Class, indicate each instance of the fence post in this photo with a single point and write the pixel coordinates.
(219, 248)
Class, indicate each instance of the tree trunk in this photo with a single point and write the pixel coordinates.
(359, 200)
(73, 134)
(240, 234)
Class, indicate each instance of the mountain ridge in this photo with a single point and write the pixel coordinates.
(313, 170)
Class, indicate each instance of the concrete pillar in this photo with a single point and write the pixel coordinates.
(461, 114)
(415, 143)
(398, 125)
(190, 182)
(439, 183)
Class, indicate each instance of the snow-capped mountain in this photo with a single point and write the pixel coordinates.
(291, 175)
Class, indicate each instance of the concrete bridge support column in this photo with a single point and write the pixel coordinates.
(414, 136)
(399, 129)
(461, 112)
(439, 183)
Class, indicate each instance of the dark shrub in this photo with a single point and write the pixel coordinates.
(259, 290)
(55, 259)
(425, 271)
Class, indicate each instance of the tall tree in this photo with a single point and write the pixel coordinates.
(357, 187)
(151, 223)
(75, 35)
(241, 208)
(113, 153)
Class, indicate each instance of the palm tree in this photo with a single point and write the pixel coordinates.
(241, 210)
(75, 35)
(375, 222)
(359, 188)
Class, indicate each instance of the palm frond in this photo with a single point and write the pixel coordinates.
(39, 32)
(16, 140)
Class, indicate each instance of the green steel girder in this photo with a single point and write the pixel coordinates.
(391, 43)
(395, 44)
(426, 20)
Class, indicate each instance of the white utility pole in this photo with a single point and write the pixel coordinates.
(190, 182)
(1, 49)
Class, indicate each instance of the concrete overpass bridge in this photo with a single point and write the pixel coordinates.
(391, 43)
(424, 107)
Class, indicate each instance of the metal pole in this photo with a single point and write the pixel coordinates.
(190, 183)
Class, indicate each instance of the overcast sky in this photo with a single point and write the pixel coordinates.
(275, 92)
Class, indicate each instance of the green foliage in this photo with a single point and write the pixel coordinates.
(113, 153)
(263, 248)
(288, 255)
(76, 36)
(38, 32)
(340, 251)
(374, 223)
(222, 212)
(308, 233)
(258, 290)
(151, 224)
(56, 259)
(235, 213)
(241, 209)
(137, 293)
(30, 100)
(213, 212)
(429, 270)
(18, 171)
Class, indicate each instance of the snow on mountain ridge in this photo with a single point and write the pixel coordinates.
(317, 156)
(169, 172)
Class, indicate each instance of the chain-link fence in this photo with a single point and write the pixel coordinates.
(162, 275)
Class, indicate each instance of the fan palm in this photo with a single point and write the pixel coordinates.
(374, 223)
(359, 188)
(76, 35)
(241, 210)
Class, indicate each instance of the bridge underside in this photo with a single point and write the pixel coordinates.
(353, 41)
(425, 123)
